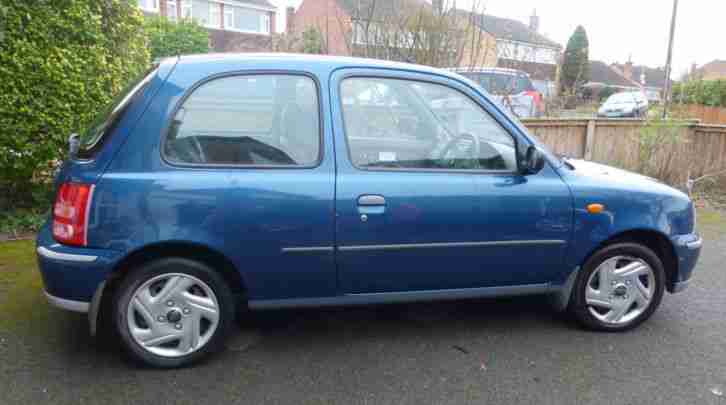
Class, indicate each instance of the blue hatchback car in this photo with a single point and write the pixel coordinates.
(225, 182)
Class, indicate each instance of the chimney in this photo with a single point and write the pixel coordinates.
(628, 70)
(290, 22)
(534, 21)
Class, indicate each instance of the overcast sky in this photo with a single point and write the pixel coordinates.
(618, 29)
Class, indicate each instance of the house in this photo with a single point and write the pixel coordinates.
(233, 25)
(627, 77)
(358, 28)
(520, 46)
(714, 70)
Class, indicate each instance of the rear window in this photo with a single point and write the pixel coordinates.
(248, 120)
(106, 120)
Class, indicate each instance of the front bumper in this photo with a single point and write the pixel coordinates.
(72, 275)
(688, 250)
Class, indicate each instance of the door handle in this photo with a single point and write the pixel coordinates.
(371, 200)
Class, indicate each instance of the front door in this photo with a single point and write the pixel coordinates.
(428, 196)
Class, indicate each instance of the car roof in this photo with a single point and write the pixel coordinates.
(234, 61)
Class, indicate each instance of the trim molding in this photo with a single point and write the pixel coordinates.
(449, 245)
(68, 305)
(407, 296)
(308, 249)
(49, 254)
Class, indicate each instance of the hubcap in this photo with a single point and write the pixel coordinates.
(173, 315)
(620, 289)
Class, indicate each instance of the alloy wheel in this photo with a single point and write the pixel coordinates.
(173, 315)
(620, 289)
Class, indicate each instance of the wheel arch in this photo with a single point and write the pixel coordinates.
(187, 250)
(654, 240)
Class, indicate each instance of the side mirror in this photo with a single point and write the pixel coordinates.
(534, 161)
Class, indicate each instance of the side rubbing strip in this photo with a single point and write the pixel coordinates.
(451, 245)
(320, 249)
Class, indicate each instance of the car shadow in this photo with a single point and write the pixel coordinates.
(296, 330)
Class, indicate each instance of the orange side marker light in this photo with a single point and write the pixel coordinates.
(595, 208)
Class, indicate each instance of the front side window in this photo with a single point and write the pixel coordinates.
(401, 124)
(254, 120)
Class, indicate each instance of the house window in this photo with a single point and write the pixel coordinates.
(246, 20)
(265, 23)
(149, 5)
(171, 10)
(228, 17)
(215, 18)
(186, 6)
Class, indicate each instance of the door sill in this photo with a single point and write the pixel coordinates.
(402, 297)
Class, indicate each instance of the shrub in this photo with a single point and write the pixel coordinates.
(60, 62)
(705, 92)
(167, 38)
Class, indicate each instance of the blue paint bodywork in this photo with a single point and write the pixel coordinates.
(292, 233)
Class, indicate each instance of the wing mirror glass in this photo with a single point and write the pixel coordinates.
(534, 161)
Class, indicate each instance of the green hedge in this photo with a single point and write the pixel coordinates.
(705, 92)
(167, 38)
(60, 62)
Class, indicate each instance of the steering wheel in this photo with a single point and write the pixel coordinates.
(474, 150)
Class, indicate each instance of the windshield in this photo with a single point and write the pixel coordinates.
(107, 118)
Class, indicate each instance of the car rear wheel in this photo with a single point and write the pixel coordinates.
(172, 312)
(619, 288)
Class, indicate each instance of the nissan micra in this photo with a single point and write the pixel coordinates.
(220, 183)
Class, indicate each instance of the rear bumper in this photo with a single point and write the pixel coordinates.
(72, 275)
(68, 305)
(688, 250)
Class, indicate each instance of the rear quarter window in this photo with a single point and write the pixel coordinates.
(256, 120)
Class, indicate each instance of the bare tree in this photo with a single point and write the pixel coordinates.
(414, 31)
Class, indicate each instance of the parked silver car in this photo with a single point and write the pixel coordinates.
(622, 105)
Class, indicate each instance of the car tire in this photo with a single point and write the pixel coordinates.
(172, 312)
(618, 288)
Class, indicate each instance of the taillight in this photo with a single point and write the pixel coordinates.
(70, 213)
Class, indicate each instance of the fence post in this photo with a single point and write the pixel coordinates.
(589, 139)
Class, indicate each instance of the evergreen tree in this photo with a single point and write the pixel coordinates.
(576, 64)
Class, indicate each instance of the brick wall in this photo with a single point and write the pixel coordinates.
(332, 21)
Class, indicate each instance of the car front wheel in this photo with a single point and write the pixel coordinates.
(172, 312)
(619, 288)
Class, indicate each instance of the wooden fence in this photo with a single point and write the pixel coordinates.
(668, 152)
(707, 115)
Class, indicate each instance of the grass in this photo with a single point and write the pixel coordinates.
(21, 299)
